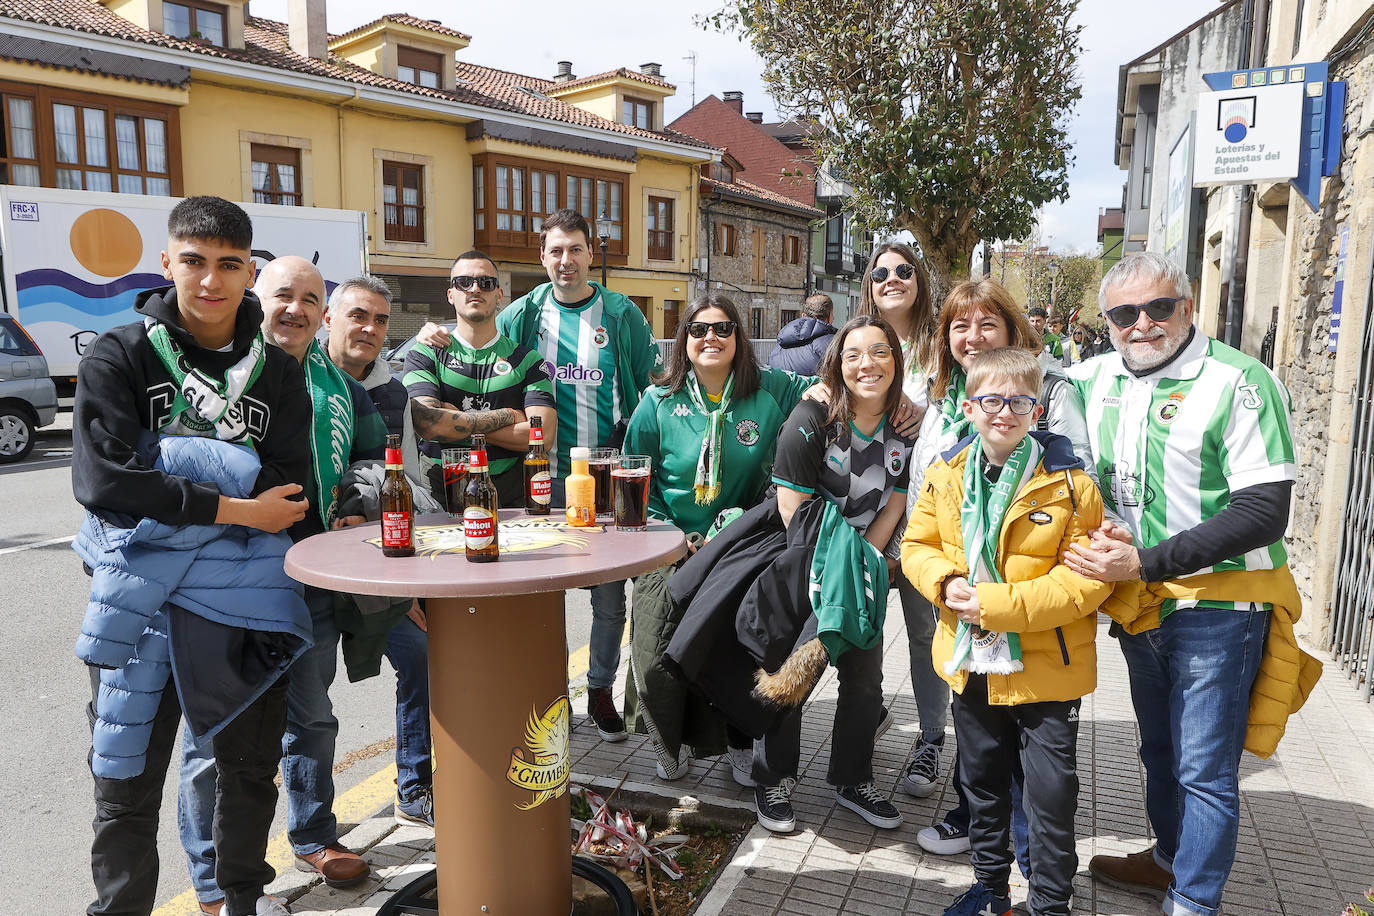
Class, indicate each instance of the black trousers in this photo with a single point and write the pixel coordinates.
(124, 860)
(858, 708)
(1045, 737)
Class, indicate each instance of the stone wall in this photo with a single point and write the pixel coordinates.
(775, 285)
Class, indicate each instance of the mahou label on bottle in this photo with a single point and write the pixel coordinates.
(479, 527)
(396, 528)
(541, 488)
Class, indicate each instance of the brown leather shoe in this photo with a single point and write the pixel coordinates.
(338, 866)
(1136, 872)
(212, 908)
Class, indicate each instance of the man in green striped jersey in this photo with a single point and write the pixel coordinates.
(1194, 451)
(599, 350)
(478, 382)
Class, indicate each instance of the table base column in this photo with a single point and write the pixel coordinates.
(501, 719)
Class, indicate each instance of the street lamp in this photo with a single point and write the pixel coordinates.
(1054, 272)
(603, 232)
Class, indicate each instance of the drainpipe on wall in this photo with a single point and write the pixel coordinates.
(1252, 54)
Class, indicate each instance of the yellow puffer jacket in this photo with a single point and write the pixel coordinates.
(1041, 599)
(1286, 675)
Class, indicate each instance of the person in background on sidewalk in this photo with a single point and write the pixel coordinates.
(802, 343)
(1016, 634)
(479, 382)
(602, 352)
(202, 336)
(357, 318)
(1195, 451)
(345, 427)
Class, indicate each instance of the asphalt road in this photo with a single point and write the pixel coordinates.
(45, 785)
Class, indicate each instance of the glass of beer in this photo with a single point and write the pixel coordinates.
(599, 466)
(455, 477)
(630, 481)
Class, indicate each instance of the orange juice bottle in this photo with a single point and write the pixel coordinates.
(580, 489)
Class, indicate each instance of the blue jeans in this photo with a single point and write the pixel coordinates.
(407, 650)
(930, 690)
(1190, 685)
(307, 764)
(608, 628)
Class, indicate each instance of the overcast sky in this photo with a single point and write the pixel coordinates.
(528, 36)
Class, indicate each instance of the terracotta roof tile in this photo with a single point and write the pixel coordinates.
(266, 44)
(763, 195)
(415, 22)
(765, 159)
(621, 73)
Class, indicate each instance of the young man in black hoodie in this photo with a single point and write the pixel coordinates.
(200, 337)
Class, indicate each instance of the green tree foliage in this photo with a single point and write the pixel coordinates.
(949, 117)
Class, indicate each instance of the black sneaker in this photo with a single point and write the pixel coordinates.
(870, 804)
(922, 776)
(774, 804)
(601, 707)
(943, 839)
(417, 811)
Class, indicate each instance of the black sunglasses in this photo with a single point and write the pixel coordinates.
(903, 272)
(1123, 316)
(465, 283)
(698, 329)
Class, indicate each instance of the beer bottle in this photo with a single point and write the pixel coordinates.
(580, 490)
(480, 515)
(538, 483)
(398, 505)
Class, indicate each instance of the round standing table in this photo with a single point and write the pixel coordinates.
(498, 686)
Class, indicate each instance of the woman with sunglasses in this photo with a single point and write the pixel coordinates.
(709, 425)
(977, 317)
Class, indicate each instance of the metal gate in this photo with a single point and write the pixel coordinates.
(1352, 606)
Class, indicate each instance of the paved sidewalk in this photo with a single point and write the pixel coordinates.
(1306, 842)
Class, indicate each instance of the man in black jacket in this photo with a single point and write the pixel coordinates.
(200, 343)
(802, 343)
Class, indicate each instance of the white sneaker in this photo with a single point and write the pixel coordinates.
(943, 840)
(679, 770)
(742, 766)
(266, 906)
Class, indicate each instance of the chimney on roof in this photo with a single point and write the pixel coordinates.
(755, 116)
(564, 72)
(306, 29)
(735, 100)
(652, 69)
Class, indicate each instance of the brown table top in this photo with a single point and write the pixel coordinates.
(538, 554)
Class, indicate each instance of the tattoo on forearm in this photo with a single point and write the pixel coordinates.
(440, 425)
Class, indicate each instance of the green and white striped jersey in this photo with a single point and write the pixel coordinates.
(600, 356)
(1172, 446)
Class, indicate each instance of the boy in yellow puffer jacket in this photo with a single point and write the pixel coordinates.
(1015, 638)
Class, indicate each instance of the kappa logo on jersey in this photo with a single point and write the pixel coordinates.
(1168, 411)
(682, 410)
(1127, 490)
(747, 432)
(894, 460)
(574, 374)
(476, 403)
(600, 337)
(1252, 397)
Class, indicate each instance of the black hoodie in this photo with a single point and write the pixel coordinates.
(122, 388)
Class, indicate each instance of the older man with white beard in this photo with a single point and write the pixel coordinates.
(1195, 452)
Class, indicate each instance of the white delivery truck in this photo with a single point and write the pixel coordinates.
(73, 261)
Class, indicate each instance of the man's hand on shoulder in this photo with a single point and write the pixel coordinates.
(1107, 558)
(271, 510)
(434, 335)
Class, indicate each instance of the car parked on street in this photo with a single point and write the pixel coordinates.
(28, 397)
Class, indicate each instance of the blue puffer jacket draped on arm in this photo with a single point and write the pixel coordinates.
(209, 605)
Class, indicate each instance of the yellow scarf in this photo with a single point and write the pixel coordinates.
(1286, 675)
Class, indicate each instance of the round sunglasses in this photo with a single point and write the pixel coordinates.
(698, 329)
(903, 272)
(1161, 309)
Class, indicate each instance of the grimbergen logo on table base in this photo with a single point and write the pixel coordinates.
(543, 765)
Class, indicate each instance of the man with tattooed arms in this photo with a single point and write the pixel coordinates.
(479, 382)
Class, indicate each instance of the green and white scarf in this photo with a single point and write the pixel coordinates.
(331, 430)
(980, 519)
(205, 405)
(954, 426)
(707, 485)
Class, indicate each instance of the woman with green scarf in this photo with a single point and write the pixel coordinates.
(709, 424)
